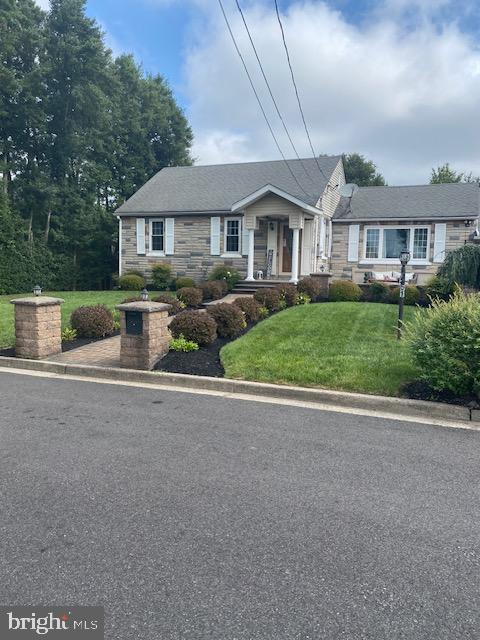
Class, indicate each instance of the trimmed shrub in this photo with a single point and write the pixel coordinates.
(161, 275)
(445, 343)
(250, 308)
(230, 319)
(175, 304)
(344, 291)
(289, 293)
(191, 296)
(183, 282)
(195, 326)
(311, 287)
(412, 294)
(182, 344)
(438, 287)
(229, 275)
(131, 282)
(378, 292)
(92, 322)
(269, 298)
(214, 289)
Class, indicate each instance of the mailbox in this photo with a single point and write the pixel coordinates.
(134, 323)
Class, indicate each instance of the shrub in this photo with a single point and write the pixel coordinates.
(378, 292)
(250, 308)
(412, 294)
(69, 334)
(344, 291)
(289, 293)
(303, 299)
(184, 282)
(445, 343)
(269, 298)
(191, 296)
(175, 305)
(161, 275)
(310, 286)
(229, 275)
(462, 266)
(263, 313)
(182, 344)
(92, 322)
(230, 319)
(131, 282)
(214, 289)
(196, 326)
(438, 287)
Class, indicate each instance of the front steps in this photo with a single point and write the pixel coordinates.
(245, 286)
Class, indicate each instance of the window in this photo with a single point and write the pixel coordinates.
(157, 236)
(384, 244)
(232, 235)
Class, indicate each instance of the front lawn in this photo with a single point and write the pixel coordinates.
(73, 299)
(338, 345)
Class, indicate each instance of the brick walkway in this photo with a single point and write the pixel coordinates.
(105, 353)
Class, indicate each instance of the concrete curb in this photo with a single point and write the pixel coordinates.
(384, 404)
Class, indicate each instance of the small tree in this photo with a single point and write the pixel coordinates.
(361, 171)
(445, 174)
(462, 266)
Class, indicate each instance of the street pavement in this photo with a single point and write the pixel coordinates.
(192, 517)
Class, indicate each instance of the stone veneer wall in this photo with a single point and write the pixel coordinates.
(144, 351)
(38, 327)
(457, 233)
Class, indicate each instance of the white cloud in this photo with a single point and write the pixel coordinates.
(406, 98)
(44, 4)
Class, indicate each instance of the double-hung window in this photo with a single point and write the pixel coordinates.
(386, 243)
(232, 235)
(157, 236)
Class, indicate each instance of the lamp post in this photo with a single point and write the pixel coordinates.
(404, 258)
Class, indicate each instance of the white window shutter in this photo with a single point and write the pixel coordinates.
(307, 246)
(141, 236)
(439, 242)
(245, 239)
(215, 236)
(353, 239)
(169, 236)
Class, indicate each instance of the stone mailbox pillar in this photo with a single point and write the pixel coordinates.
(145, 337)
(323, 278)
(38, 327)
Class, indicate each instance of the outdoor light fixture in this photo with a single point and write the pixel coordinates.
(404, 258)
(468, 223)
(37, 290)
(144, 295)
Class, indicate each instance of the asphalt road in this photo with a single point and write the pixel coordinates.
(194, 517)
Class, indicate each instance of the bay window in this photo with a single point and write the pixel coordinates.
(386, 243)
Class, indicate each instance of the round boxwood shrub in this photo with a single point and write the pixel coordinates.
(191, 296)
(412, 294)
(161, 275)
(227, 274)
(289, 293)
(250, 308)
(344, 291)
(175, 305)
(378, 292)
(269, 298)
(93, 321)
(131, 282)
(196, 326)
(229, 318)
(445, 343)
(214, 289)
(183, 282)
(311, 287)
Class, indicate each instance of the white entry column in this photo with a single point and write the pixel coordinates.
(251, 252)
(295, 248)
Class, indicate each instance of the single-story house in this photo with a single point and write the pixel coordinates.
(285, 220)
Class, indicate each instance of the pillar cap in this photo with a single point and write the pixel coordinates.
(146, 306)
(37, 301)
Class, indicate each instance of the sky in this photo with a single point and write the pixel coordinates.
(395, 80)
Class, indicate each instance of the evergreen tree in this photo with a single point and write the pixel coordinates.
(362, 172)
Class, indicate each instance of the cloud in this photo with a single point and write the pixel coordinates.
(43, 4)
(406, 96)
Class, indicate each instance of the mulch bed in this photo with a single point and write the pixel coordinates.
(420, 390)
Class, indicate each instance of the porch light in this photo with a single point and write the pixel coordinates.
(144, 295)
(37, 290)
(404, 257)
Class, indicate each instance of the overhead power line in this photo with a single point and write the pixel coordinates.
(258, 97)
(296, 91)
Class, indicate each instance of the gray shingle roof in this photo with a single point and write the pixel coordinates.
(423, 202)
(217, 187)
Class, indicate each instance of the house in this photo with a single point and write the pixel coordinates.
(285, 220)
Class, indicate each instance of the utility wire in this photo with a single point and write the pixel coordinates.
(296, 91)
(258, 97)
(270, 89)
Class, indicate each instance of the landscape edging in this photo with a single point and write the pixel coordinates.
(344, 399)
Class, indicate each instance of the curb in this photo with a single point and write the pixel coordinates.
(400, 406)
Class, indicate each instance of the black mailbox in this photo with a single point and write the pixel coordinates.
(134, 323)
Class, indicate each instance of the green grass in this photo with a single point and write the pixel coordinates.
(337, 345)
(73, 299)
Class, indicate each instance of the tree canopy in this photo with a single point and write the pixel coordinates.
(361, 171)
(445, 173)
(79, 133)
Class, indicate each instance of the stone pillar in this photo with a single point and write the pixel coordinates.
(323, 278)
(38, 327)
(295, 250)
(251, 254)
(144, 334)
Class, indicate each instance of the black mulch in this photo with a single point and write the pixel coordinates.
(8, 353)
(420, 390)
(204, 362)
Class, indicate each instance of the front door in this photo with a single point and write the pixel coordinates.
(286, 242)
